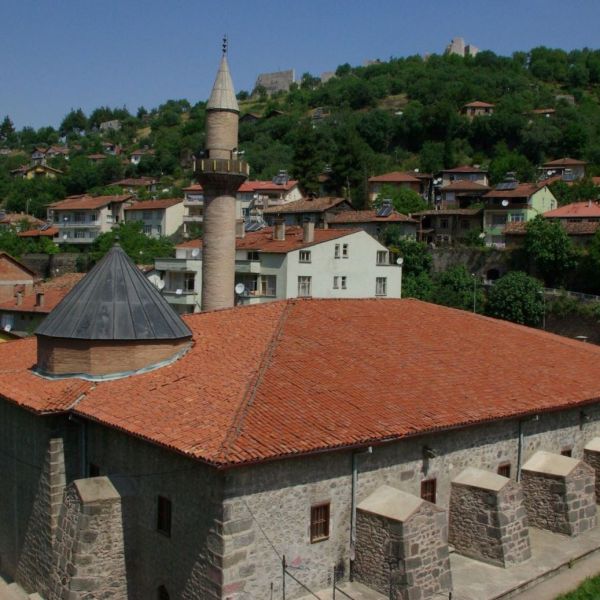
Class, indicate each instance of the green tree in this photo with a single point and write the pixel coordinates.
(404, 200)
(550, 249)
(75, 122)
(139, 247)
(456, 287)
(516, 297)
(7, 129)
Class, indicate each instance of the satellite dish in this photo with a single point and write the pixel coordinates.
(179, 291)
(7, 327)
(65, 236)
(195, 252)
(240, 288)
(505, 202)
(400, 261)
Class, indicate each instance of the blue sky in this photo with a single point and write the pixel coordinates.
(61, 54)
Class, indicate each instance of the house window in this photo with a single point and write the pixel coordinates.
(428, 490)
(343, 278)
(381, 286)
(189, 282)
(304, 256)
(252, 255)
(304, 284)
(336, 281)
(268, 286)
(93, 470)
(163, 517)
(337, 251)
(162, 593)
(504, 469)
(319, 522)
(567, 452)
(146, 215)
(147, 229)
(516, 218)
(382, 257)
(80, 234)
(159, 229)
(344, 250)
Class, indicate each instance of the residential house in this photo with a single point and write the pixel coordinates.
(81, 219)
(317, 210)
(159, 217)
(581, 233)
(289, 262)
(193, 206)
(375, 222)
(396, 179)
(477, 109)
(136, 156)
(111, 148)
(514, 202)
(568, 169)
(19, 221)
(38, 156)
(45, 231)
(96, 158)
(15, 277)
(462, 194)
(36, 171)
(450, 225)
(22, 314)
(137, 185)
(464, 173)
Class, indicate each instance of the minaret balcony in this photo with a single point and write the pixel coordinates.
(221, 175)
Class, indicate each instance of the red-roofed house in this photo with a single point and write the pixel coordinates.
(374, 223)
(568, 169)
(288, 262)
(135, 185)
(478, 109)
(462, 193)
(15, 277)
(465, 173)
(159, 217)
(396, 179)
(81, 219)
(317, 210)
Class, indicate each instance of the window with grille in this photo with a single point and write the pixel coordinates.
(305, 256)
(189, 282)
(337, 251)
(343, 279)
(382, 257)
(381, 286)
(428, 490)
(567, 452)
(344, 250)
(504, 469)
(319, 522)
(304, 282)
(163, 520)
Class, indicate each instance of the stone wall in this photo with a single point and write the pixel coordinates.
(52, 265)
(89, 549)
(36, 562)
(591, 456)
(273, 500)
(475, 260)
(562, 504)
(489, 525)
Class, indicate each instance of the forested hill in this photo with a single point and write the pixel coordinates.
(396, 115)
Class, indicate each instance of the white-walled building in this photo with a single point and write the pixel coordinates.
(160, 217)
(289, 262)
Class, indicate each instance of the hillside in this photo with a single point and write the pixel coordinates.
(400, 114)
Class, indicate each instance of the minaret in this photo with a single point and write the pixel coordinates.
(221, 174)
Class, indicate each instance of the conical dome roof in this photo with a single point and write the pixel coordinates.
(114, 301)
(222, 96)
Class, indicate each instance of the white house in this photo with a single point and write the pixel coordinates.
(289, 262)
(160, 217)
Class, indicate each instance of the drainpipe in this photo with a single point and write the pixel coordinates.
(355, 456)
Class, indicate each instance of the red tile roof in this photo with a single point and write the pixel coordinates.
(266, 186)
(16, 218)
(136, 181)
(575, 210)
(523, 190)
(368, 216)
(196, 187)
(262, 241)
(565, 162)
(50, 232)
(306, 205)
(88, 202)
(576, 228)
(464, 169)
(311, 378)
(467, 212)
(154, 204)
(394, 177)
(479, 104)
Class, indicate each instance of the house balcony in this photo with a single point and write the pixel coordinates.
(180, 297)
(193, 218)
(178, 264)
(247, 266)
(74, 225)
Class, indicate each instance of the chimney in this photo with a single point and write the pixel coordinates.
(240, 228)
(39, 298)
(279, 229)
(308, 228)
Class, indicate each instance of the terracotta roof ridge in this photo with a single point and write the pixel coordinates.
(253, 386)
